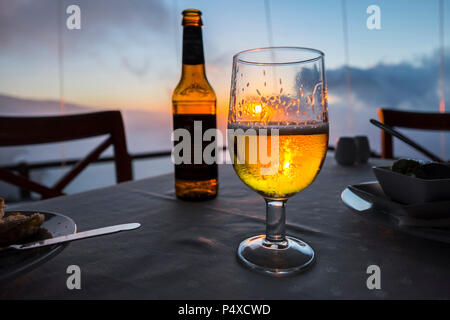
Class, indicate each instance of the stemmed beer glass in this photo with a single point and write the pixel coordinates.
(277, 138)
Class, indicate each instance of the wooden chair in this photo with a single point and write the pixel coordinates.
(16, 131)
(411, 120)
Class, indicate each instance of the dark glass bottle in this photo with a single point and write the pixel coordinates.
(194, 100)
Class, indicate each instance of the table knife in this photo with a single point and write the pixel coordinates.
(74, 236)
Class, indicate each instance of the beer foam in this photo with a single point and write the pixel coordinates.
(293, 129)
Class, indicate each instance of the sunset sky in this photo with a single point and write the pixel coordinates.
(127, 54)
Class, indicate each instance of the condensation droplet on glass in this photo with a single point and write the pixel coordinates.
(257, 91)
(281, 90)
(248, 83)
(280, 80)
(264, 72)
(265, 84)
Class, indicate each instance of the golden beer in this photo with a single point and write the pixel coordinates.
(277, 139)
(296, 159)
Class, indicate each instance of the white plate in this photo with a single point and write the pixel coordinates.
(427, 220)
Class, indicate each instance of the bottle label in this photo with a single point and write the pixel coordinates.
(195, 171)
(193, 45)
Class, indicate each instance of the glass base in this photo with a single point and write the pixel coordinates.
(275, 258)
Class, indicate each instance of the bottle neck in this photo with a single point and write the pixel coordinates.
(193, 46)
(193, 71)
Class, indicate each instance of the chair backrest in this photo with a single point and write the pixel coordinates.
(411, 120)
(15, 131)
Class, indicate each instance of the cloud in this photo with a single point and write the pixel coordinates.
(114, 33)
(139, 70)
(406, 85)
(26, 21)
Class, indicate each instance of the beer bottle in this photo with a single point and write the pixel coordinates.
(194, 105)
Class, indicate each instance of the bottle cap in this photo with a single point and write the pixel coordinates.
(192, 17)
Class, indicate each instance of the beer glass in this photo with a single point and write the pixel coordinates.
(277, 139)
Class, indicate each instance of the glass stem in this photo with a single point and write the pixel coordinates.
(275, 220)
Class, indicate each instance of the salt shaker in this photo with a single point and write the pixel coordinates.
(362, 149)
(345, 153)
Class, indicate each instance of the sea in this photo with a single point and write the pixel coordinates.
(150, 132)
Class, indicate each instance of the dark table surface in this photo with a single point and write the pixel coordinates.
(188, 250)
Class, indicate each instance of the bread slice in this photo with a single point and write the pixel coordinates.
(17, 227)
